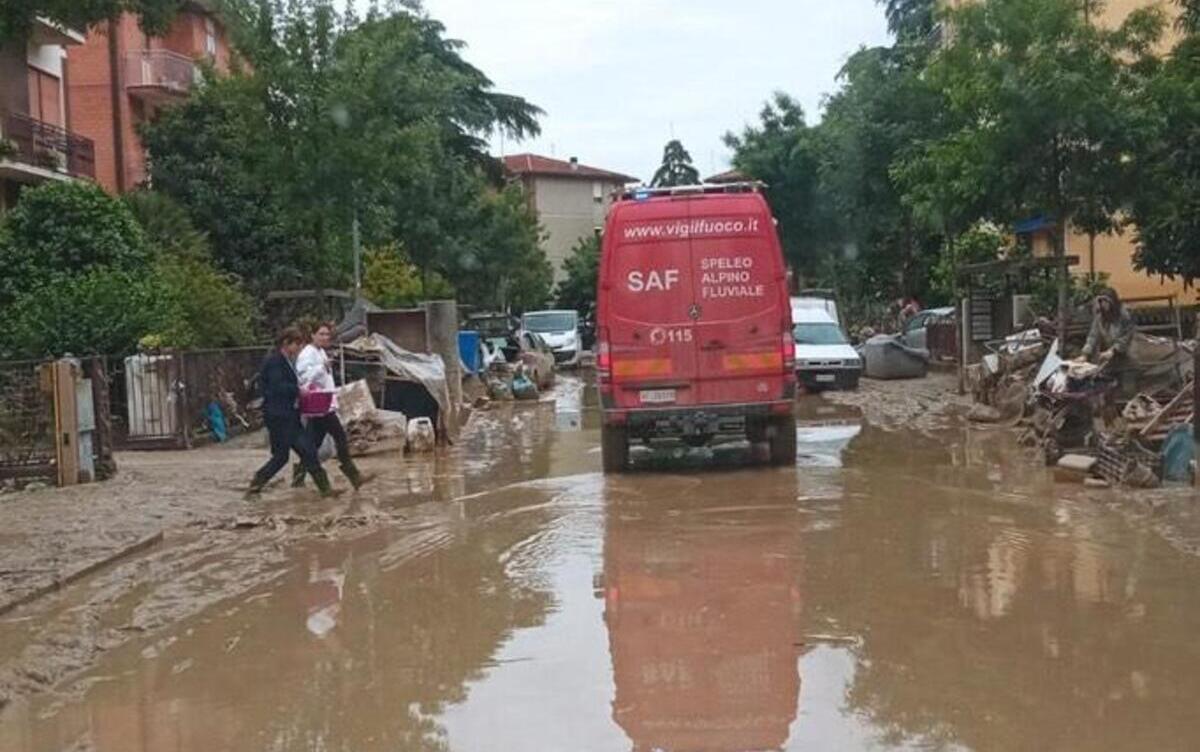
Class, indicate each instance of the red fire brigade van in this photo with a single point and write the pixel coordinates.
(694, 329)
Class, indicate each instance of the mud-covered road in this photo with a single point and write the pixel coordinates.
(912, 583)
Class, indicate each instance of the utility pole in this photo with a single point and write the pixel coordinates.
(356, 245)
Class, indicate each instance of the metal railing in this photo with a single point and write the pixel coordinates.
(48, 146)
(160, 69)
(166, 400)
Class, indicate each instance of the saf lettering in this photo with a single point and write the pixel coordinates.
(653, 280)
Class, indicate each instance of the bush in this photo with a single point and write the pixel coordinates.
(66, 228)
(102, 311)
(201, 306)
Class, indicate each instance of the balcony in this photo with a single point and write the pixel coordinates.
(32, 151)
(157, 75)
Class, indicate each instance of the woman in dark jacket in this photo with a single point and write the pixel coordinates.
(281, 413)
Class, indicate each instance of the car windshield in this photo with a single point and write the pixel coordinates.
(550, 322)
(819, 334)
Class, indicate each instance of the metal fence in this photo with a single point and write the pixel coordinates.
(27, 428)
(173, 400)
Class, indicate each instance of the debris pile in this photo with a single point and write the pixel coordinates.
(1080, 416)
(369, 429)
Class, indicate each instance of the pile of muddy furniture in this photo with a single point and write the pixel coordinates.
(1092, 424)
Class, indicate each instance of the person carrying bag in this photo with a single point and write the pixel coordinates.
(318, 405)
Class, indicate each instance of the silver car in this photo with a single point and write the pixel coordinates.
(916, 331)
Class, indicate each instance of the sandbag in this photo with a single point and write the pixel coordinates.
(884, 357)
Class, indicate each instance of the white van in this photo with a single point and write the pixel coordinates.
(824, 357)
(560, 329)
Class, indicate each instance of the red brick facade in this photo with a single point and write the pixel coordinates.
(120, 78)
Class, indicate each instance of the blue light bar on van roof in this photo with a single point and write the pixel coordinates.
(645, 192)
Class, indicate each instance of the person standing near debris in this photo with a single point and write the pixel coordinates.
(316, 375)
(1111, 337)
(281, 413)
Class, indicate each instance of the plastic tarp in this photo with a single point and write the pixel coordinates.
(1160, 363)
(885, 357)
(425, 369)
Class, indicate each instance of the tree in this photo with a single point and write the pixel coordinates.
(202, 306)
(17, 18)
(339, 121)
(911, 19)
(782, 151)
(1189, 18)
(884, 110)
(392, 281)
(211, 155)
(577, 290)
(501, 264)
(1166, 206)
(60, 229)
(1035, 93)
(676, 167)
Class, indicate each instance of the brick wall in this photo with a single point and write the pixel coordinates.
(91, 96)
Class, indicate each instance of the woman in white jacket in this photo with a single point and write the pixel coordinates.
(316, 374)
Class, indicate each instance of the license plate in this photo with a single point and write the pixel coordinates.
(658, 396)
(826, 378)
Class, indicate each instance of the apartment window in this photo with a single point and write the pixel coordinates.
(210, 37)
(597, 191)
(45, 97)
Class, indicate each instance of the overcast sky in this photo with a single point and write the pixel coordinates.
(618, 77)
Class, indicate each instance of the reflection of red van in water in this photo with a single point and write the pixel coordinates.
(694, 332)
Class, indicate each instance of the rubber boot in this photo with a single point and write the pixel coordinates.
(321, 479)
(298, 473)
(254, 492)
(357, 479)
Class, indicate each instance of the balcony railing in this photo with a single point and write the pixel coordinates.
(47, 146)
(160, 71)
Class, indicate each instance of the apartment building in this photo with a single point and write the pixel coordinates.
(571, 199)
(121, 77)
(37, 142)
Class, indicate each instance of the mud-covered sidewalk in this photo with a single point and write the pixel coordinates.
(52, 537)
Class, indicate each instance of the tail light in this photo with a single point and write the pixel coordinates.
(603, 355)
(788, 343)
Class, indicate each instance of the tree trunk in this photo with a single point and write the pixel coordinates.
(1092, 256)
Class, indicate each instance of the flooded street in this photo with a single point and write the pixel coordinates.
(920, 587)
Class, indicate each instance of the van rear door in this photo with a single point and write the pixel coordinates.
(647, 289)
(739, 286)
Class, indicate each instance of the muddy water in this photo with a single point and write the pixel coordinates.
(895, 590)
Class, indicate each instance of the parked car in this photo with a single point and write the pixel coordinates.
(915, 334)
(527, 349)
(824, 357)
(822, 300)
(490, 325)
(536, 355)
(694, 330)
(560, 329)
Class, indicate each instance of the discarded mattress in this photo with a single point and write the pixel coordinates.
(884, 357)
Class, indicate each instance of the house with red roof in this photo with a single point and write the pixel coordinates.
(571, 199)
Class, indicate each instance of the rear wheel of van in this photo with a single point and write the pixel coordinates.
(783, 440)
(614, 448)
